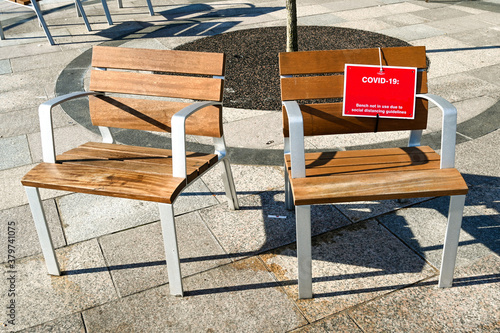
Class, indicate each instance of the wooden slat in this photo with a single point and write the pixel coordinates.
(326, 118)
(104, 181)
(315, 62)
(318, 87)
(159, 60)
(377, 186)
(152, 115)
(199, 88)
(346, 154)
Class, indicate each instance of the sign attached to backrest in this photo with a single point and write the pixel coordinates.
(374, 91)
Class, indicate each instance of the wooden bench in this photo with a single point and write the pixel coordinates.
(151, 174)
(360, 175)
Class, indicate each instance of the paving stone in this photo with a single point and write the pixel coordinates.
(71, 323)
(5, 67)
(479, 37)
(423, 228)
(471, 305)
(11, 179)
(413, 32)
(350, 266)
(461, 86)
(14, 152)
(404, 19)
(237, 297)
(25, 237)
(489, 74)
(136, 257)
(336, 323)
(477, 163)
(251, 229)
(57, 60)
(437, 14)
(41, 298)
(369, 25)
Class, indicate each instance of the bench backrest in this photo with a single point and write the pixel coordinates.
(308, 84)
(164, 74)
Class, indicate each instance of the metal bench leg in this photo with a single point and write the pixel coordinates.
(288, 192)
(38, 12)
(451, 240)
(2, 36)
(81, 11)
(171, 249)
(150, 6)
(106, 12)
(227, 178)
(42, 230)
(303, 225)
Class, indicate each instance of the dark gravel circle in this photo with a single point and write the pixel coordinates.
(252, 73)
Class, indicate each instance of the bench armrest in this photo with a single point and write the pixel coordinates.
(449, 129)
(46, 127)
(296, 143)
(178, 125)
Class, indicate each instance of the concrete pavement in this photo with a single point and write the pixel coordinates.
(375, 264)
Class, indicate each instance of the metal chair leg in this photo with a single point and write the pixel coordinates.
(42, 230)
(227, 178)
(2, 36)
(81, 11)
(455, 215)
(106, 12)
(150, 7)
(304, 257)
(288, 192)
(171, 249)
(42, 21)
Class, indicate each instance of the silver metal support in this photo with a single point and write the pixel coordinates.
(227, 178)
(81, 12)
(120, 4)
(304, 256)
(107, 136)
(150, 7)
(43, 230)
(106, 12)
(415, 138)
(38, 12)
(2, 36)
(296, 129)
(451, 239)
(171, 249)
(288, 192)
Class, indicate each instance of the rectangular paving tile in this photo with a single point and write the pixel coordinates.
(40, 298)
(136, 257)
(14, 152)
(350, 266)
(423, 228)
(22, 227)
(263, 223)
(238, 297)
(5, 67)
(471, 305)
(72, 323)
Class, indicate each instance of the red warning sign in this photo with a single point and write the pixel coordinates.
(388, 91)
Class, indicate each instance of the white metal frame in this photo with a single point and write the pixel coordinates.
(167, 218)
(294, 145)
(36, 8)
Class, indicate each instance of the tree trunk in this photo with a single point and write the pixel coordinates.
(291, 26)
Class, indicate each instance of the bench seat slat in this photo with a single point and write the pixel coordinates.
(374, 174)
(119, 171)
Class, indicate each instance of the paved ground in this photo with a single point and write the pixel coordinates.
(374, 263)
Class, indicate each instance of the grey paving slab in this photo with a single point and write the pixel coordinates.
(41, 298)
(471, 305)
(413, 32)
(254, 228)
(59, 60)
(404, 19)
(23, 230)
(238, 297)
(336, 323)
(11, 179)
(350, 266)
(454, 24)
(462, 86)
(479, 37)
(5, 67)
(423, 228)
(71, 323)
(320, 19)
(14, 152)
(489, 74)
(136, 257)
(369, 25)
(443, 13)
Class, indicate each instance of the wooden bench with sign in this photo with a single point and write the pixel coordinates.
(362, 175)
(134, 172)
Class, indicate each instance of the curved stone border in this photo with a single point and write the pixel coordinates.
(72, 79)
